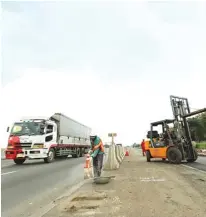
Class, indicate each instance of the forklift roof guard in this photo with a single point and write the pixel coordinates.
(166, 121)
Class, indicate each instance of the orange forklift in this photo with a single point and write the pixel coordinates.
(174, 143)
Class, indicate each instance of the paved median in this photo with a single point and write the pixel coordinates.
(139, 189)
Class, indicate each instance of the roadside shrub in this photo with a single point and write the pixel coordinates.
(201, 145)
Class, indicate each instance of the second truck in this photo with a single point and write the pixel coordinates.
(47, 138)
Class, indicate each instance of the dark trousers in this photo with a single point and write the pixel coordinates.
(97, 164)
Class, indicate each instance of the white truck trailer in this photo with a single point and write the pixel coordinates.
(47, 138)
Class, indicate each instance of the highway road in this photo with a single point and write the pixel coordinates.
(199, 164)
(33, 185)
(28, 187)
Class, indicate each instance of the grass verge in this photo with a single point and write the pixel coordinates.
(201, 145)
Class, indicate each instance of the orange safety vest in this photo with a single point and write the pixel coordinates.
(99, 145)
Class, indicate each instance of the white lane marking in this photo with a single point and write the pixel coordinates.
(151, 179)
(8, 173)
(202, 171)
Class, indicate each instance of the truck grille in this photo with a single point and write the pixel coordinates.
(24, 145)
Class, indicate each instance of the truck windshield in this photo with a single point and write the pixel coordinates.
(26, 128)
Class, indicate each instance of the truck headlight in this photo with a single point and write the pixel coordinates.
(38, 146)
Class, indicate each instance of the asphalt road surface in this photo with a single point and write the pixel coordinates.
(199, 164)
(28, 187)
(33, 185)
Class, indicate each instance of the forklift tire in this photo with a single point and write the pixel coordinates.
(51, 156)
(19, 161)
(174, 155)
(148, 156)
(193, 160)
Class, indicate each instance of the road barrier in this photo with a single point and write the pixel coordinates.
(118, 154)
(111, 162)
(201, 152)
(3, 157)
(122, 152)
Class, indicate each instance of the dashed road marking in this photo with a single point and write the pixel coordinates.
(7, 173)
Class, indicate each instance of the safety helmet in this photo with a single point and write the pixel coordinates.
(93, 136)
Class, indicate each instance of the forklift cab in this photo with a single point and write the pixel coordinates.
(160, 139)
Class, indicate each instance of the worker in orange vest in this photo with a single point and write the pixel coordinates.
(143, 147)
(97, 153)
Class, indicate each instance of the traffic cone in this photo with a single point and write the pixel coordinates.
(87, 162)
(88, 168)
(127, 153)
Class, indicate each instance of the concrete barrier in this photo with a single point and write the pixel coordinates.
(111, 162)
(3, 157)
(118, 153)
(202, 152)
(106, 151)
(122, 152)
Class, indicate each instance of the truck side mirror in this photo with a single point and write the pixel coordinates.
(7, 130)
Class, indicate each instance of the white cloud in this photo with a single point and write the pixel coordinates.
(104, 108)
(125, 107)
(83, 98)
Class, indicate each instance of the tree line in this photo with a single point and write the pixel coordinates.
(198, 127)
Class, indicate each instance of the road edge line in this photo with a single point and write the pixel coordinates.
(52, 204)
(6, 173)
(189, 167)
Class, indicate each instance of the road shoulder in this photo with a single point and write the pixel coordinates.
(140, 189)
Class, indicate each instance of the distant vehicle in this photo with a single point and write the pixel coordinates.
(47, 139)
(135, 145)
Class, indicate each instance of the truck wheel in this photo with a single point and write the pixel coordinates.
(50, 157)
(148, 156)
(196, 156)
(174, 155)
(81, 152)
(19, 161)
(78, 153)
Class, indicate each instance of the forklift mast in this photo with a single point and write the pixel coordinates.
(181, 110)
(180, 107)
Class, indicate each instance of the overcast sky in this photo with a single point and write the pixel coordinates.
(111, 66)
